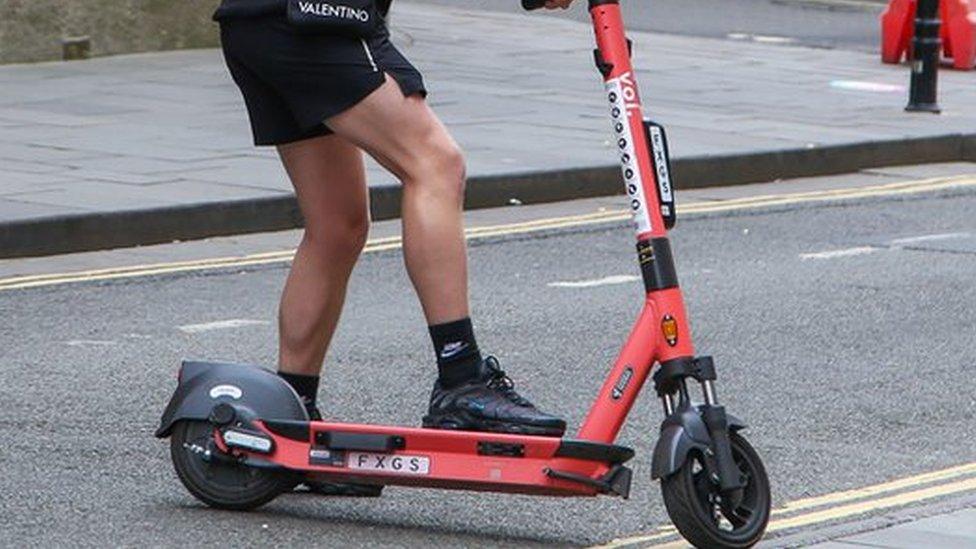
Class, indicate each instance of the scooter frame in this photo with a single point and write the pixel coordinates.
(589, 464)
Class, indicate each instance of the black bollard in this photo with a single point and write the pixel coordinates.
(926, 49)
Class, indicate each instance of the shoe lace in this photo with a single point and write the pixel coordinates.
(499, 381)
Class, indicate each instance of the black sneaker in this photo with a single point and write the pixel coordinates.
(489, 403)
(343, 489)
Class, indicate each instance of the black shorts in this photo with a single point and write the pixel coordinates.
(293, 82)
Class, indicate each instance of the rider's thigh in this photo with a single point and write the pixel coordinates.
(401, 132)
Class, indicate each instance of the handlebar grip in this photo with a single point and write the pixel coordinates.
(533, 4)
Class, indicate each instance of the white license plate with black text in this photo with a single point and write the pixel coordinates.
(389, 463)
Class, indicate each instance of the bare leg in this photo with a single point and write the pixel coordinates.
(330, 182)
(405, 136)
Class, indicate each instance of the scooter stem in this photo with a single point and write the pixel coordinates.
(661, 333)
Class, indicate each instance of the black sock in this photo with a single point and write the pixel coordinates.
(307, 388)
(457, 352)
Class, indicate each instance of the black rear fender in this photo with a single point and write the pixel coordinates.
(203, 385)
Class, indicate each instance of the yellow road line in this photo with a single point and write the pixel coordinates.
(888, 189)
(377, 245)
(833, 499)
(395, 242)
(853, 509)
(868, 491)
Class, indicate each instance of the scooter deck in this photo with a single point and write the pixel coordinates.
(468, 460)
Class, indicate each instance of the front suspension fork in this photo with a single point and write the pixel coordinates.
(672, 379)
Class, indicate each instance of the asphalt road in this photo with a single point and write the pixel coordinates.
(851, 368)
(842, 24)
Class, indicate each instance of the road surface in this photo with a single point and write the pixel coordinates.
(843, 334)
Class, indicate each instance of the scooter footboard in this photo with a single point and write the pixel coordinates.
(463, 460)
(259, 421)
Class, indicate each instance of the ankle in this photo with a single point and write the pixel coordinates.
(458, 357)
(307, 387)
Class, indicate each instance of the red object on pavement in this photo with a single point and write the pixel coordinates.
(897, 25)
(958, 31)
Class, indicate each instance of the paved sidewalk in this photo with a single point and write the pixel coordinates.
(951, 531)
(145, 148)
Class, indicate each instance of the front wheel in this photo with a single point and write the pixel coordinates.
(216, 479)
(694, 501)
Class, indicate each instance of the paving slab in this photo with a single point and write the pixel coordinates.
(518, 91)
(955, 530)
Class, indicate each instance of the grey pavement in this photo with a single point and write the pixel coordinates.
(812, 353)
(843, 24)
(956, 530)
(158, 132)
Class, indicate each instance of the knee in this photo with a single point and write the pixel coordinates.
(450, 162)
(341, 239)
(438, 165)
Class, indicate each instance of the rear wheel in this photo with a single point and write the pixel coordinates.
(695, 503)
(216, 479)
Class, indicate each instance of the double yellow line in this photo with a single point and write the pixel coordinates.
(836, 506)
(539, 225)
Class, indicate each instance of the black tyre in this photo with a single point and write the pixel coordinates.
(694, 502)
(221, 483)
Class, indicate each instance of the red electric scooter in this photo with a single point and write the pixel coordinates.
(240, 435)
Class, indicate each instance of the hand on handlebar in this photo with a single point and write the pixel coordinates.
(558, 4)
(548, 4)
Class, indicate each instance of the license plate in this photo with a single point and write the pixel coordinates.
(389, 463)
